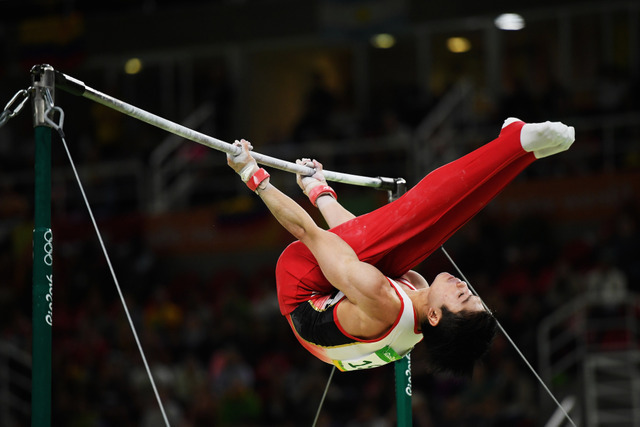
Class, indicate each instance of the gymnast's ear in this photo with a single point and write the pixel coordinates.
(433, 315)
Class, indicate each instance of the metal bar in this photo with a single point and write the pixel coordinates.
(76, 87)
(43, 80)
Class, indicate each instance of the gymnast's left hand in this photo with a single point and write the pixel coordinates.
(307, 183)
(244, 164)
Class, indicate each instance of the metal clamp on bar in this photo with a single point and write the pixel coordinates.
(396, 187)
(43, 80)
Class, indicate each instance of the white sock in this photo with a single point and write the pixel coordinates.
(544, 139)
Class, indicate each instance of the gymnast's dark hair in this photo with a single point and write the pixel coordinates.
(458, 340)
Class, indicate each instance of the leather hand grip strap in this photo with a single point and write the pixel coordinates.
(256, 179)
(318, 191)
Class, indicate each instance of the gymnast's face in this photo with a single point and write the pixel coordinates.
(453, 293)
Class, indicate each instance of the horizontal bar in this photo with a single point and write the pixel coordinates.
(76, 87)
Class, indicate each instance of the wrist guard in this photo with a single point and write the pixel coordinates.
(256, 179)
(318, 191)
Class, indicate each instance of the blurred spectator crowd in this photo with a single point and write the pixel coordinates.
(222, 355)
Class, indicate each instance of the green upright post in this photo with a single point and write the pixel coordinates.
(403, 391)
(42, 316)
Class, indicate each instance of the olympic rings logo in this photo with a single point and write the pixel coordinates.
(48, 247)
(48, 260)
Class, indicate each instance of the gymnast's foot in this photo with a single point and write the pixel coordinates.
(544, 139)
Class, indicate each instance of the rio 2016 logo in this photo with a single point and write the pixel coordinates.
(407, 372)
(48, 260)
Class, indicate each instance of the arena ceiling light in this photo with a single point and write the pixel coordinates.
(133, 66)
(458, 44)
(383, 41)
(509, 22)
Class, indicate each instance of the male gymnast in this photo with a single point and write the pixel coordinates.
(349, 293)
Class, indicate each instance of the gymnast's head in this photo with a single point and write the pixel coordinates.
(457, 328)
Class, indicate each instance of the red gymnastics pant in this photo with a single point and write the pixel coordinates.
(398, 236)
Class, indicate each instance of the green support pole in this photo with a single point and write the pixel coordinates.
(402, 369)
(42, 315)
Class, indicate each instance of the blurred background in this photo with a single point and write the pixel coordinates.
(370, 87)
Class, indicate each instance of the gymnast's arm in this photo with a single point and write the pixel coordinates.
(332, 211)
(372, 306)
(372, 300)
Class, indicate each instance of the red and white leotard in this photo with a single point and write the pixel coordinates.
(365, 354)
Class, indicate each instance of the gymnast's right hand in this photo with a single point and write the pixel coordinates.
(243, 163)
(308, 182)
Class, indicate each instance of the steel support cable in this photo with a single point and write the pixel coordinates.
(513, 344)
(58, 127)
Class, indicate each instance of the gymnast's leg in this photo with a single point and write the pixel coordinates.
(398, 236)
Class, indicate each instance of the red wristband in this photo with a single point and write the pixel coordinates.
(318, 191)
(257, 178)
